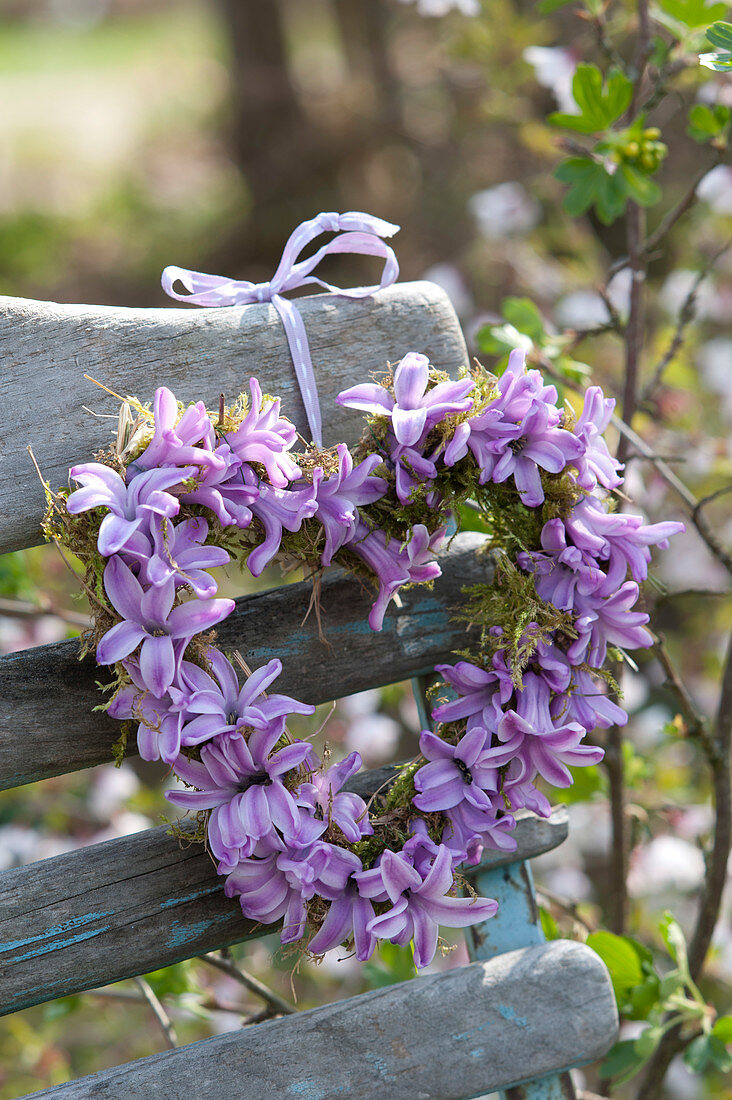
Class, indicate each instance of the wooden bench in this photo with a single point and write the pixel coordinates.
(515, 1019)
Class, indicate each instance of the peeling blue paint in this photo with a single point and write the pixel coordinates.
(306, 1090)
(57, 930)
(170, 902)
(58, 945)
(380, 1066)
(510, 1014)
(463, 1035)
(181, 933)
(477, 1052)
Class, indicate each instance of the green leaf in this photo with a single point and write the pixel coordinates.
(719, 62)
(586, 781)
(697, 1055)
(719, 1054)
(723, 1029)
(524, 316)
(672, 982)
(706, 123)
(171, 980)
(590, 184)
(630, 963)
(500, 339)
(549, 926)
(674, 939)
(599, 106)
(396, 964)
(692, 13)
(623, 1060)
(546, 7)
(621, 959)
(648, 1040)
(641, 188)
(720, 34)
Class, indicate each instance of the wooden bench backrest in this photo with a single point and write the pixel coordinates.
(128, 906)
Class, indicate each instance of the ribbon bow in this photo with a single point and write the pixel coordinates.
(359, 233)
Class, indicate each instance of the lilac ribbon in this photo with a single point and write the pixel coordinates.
(360, 234)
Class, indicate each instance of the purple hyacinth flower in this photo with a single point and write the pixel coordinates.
(420, 902)
(486, 433)
(412, 470)
(465, 772)
(469, 831)
(393, 564)
(622, 540)
(540, 746)
(176, 438)
(264, 437)
(604, 621)
(277, 509)
(241, 783)
(482, 695)
(596, 465)
(131, 507)
(224, 490)
(176, 552)
(150, 619)
(588, 703)
(219, 706)
(340, 495)
(322, 795)
(160, 719)
(349, 914)
(413, 410)
(277, 885)
(534, 443)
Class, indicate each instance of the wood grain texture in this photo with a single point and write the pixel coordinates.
(46, 349)
(441, 1037)
(414, 638)
(132, 905)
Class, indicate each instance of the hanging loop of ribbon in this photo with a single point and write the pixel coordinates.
(358, 233)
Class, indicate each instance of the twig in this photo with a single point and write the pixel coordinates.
(696, 722)
(686, 316)
(703, 501)
(644, 49)
(618, 855)
(272, 999)
(718, 857)
(616, 321)
(166, 1024)
(669, 221)
(714, 880)
(24, 609)
(635, 220)
(569, 907)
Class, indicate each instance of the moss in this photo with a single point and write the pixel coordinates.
(525, 620)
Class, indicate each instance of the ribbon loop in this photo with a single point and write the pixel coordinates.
(359, 234)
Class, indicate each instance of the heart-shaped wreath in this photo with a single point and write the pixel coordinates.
(185, 490)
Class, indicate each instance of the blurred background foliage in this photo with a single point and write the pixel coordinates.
(138, 133)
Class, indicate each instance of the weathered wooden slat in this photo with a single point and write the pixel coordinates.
(128, 906)
(47, 726)
(442, 1037)
(46, 349)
